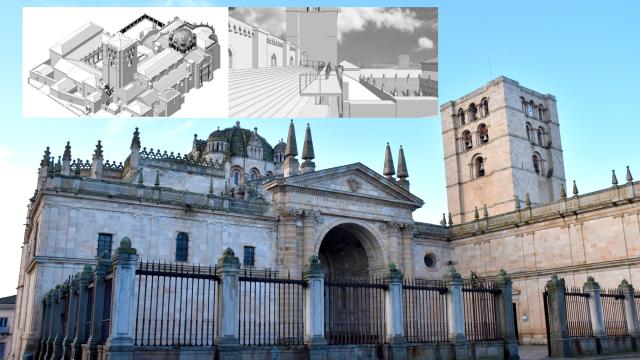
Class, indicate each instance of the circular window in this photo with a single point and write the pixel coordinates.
(430, 260)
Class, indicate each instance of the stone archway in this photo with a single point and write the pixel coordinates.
(274, 60)
(230, 59)
(350, 250)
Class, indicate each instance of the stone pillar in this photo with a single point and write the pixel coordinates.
(394, 318)
(43, 328)
(119, 345)
(506, 317)
(63, 293)
(83, 298)
(631, 313)
(595, 310)
(314, 309)
(560, 343)
(455, 313)
(95, 337)
(407, 251)
(72, 313)
(46, 326)
(227, 336)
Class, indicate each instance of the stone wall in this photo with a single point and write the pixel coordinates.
(597, 235)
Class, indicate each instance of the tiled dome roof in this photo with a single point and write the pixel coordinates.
(238, 139)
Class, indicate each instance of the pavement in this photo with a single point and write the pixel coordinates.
(539, 352)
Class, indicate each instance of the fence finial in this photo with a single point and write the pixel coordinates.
(614, 178)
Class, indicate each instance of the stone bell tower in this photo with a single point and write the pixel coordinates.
(315, 31)
(501, 146)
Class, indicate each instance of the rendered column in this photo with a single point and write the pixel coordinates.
(83, 298)
(394, 313)
(72, 313)
(631, 313)
(595, 310)
(227, 337)
(63, 292)
(455, 313)
(506, 317)
(119, 345)
(560, 343)
(314, 274)
(95, 338)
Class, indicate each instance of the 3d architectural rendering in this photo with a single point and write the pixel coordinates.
(144, 69)
(300, 75)
(155, 225)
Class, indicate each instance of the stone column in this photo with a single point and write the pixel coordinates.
(631, 313)
(314, 309)
(63, 292)
(119, 345)
(560, 343)
(595, 310)
(72, 313)
(506, 317)
(227, 336)
(56, 324)
(394, 318)
(455, 313)
(46, 326)
(95, 337)
(43, 328)
(83, 298)
(407, 251)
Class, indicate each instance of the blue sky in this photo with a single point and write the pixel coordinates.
(586, 53)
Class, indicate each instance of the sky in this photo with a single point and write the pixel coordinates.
(586, 53)
(367, 36)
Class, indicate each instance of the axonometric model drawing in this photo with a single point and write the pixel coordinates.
(333, 62)
(144, 69)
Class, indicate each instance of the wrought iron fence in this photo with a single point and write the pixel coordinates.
(90, 301)
(480, 302)
(176, 304)
(615, 323)
(425, 311)
(578, 315)
(354, 310)
(636, 298)
(271, 309)
(106, 309)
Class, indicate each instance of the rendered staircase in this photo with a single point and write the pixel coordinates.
(270, 92)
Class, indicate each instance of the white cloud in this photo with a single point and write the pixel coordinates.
(272, 19)
(356, 19)
(425, 43)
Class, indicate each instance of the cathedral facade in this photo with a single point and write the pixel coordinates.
(272, 207)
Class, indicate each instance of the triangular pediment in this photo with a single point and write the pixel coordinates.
(355, 179)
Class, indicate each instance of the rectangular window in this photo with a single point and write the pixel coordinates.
(3, 322)
(182, 247)
(1, 350)
(249, 259)
(104, 243)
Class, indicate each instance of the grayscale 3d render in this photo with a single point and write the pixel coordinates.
(333, 62)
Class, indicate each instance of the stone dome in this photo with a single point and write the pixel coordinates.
(238, 140)
(279, 148)
(182, 38)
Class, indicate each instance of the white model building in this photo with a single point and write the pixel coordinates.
(142, 70)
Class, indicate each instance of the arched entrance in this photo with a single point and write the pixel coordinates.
(350, 250)
(274, 60)
(353, 260)
(291, 63)
(230, 59)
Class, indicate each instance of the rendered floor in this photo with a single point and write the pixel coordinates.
(271, 92)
